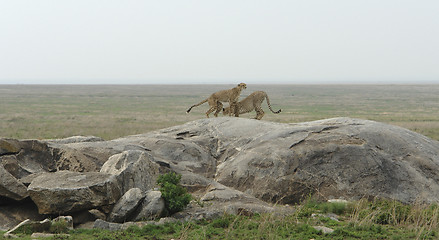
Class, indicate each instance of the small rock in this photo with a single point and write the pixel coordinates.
(331, 216)
(101, 224)
(166, 220)
(338, 201)
(9, 235)
(324, 229)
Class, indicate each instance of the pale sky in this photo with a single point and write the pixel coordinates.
(218, 41)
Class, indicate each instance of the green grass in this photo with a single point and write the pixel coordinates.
(378, 219)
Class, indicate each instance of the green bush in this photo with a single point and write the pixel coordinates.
(311, 206)
(58, 227)
(175, 196)
(338, 208)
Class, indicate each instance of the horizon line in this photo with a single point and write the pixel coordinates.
(262, 83)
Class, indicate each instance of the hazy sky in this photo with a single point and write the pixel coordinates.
(219, 41)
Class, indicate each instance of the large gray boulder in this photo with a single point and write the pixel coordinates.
(153, 206)
(284, 163)
(65, 191)
(133, 169)
(87, 154)
(81, 156)
(10, 187)
(126, 205)
(333, 158)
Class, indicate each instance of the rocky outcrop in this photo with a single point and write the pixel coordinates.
(283, 163)
(233, 165)
(133, 169)
(65, 192)
(81, 156)
(334, 158)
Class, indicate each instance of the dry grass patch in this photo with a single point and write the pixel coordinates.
(111, 111)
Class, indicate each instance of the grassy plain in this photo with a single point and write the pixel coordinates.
(111, 111)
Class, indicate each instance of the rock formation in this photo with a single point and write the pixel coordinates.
(66, 192)
(126, 205)
(133, 169)
(235, 165)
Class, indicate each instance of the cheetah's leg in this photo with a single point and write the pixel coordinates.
(219, 107)
(259, 113)
(211, 109)
(234, 109)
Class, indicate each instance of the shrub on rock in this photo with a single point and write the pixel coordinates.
(175, 196)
